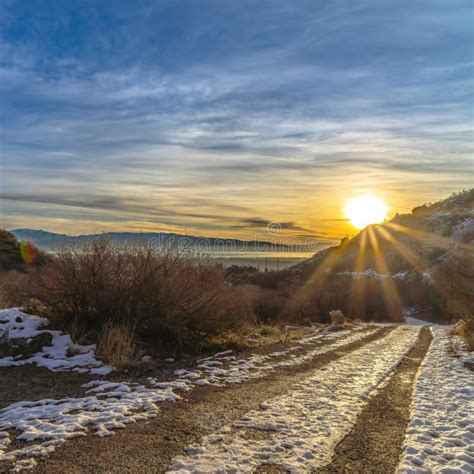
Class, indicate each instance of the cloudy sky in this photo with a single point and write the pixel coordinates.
(216, 117)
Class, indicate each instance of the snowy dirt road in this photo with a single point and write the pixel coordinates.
(319, 404)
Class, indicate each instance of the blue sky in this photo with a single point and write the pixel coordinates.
(215, 117)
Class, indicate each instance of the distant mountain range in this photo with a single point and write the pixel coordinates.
(50, 241)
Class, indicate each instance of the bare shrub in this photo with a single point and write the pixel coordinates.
(312, 300)
(170, 298)
(117, 346)
(16, 289)
(337, 318)
(267, 304)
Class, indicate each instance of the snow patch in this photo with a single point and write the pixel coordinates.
(50, 423)
(365, 274)
(256, 366)
(303, 426)
(113, 405)
(440, 435)
(14, 324)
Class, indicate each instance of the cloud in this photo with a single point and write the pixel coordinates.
(203, 115)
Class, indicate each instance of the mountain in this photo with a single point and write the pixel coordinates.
(50, 241)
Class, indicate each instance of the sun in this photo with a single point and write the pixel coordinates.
(365, 210)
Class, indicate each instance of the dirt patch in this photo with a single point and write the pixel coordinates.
(374, 444)
(149, 447)
(270, 469)
(254, 434)
(32, 383)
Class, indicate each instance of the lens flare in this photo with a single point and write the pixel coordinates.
(29, 252)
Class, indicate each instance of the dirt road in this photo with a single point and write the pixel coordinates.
(335, 404)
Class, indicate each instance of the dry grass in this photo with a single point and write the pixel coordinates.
(117, 346)
(270, 330)
(337, 318)
(235, 340)
(465, 329)
(250, 336)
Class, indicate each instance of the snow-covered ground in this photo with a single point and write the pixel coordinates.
(301, 428)
(112, 405)
(237, 370)
(52, 422)
(298, 430)
(416, 322)
(61, 355)
(440, 436)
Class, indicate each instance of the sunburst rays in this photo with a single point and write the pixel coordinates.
(392, 298)
(443, 243)
(358, 285)
(371, 249)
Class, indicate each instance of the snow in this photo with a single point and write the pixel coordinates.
(440, 435)
(365, 274)
(113, 405)
(14, 324)
(401, 275)
(301, 428)
(50, 423)
(239, 370)
(459, 346)
(463, 228)
(369, 272)
(416, 322)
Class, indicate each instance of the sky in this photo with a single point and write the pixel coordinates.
(217, 117)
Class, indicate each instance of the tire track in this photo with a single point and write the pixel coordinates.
(300, 429)
(150, 447)
(375, 443)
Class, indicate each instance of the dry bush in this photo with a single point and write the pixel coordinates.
(312, 301)
(171, 299)
(268, 305)
(117, 346)
(337, 318)
(16, 289)
(271, 280)
(452, 285)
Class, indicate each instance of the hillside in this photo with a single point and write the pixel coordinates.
(14, 254)
(10, 254)
(424, 258)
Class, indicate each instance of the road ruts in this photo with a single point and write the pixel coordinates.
(150, 447)
(299, 429)
(374, 444)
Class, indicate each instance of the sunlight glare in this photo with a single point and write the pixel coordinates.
(365, 210)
